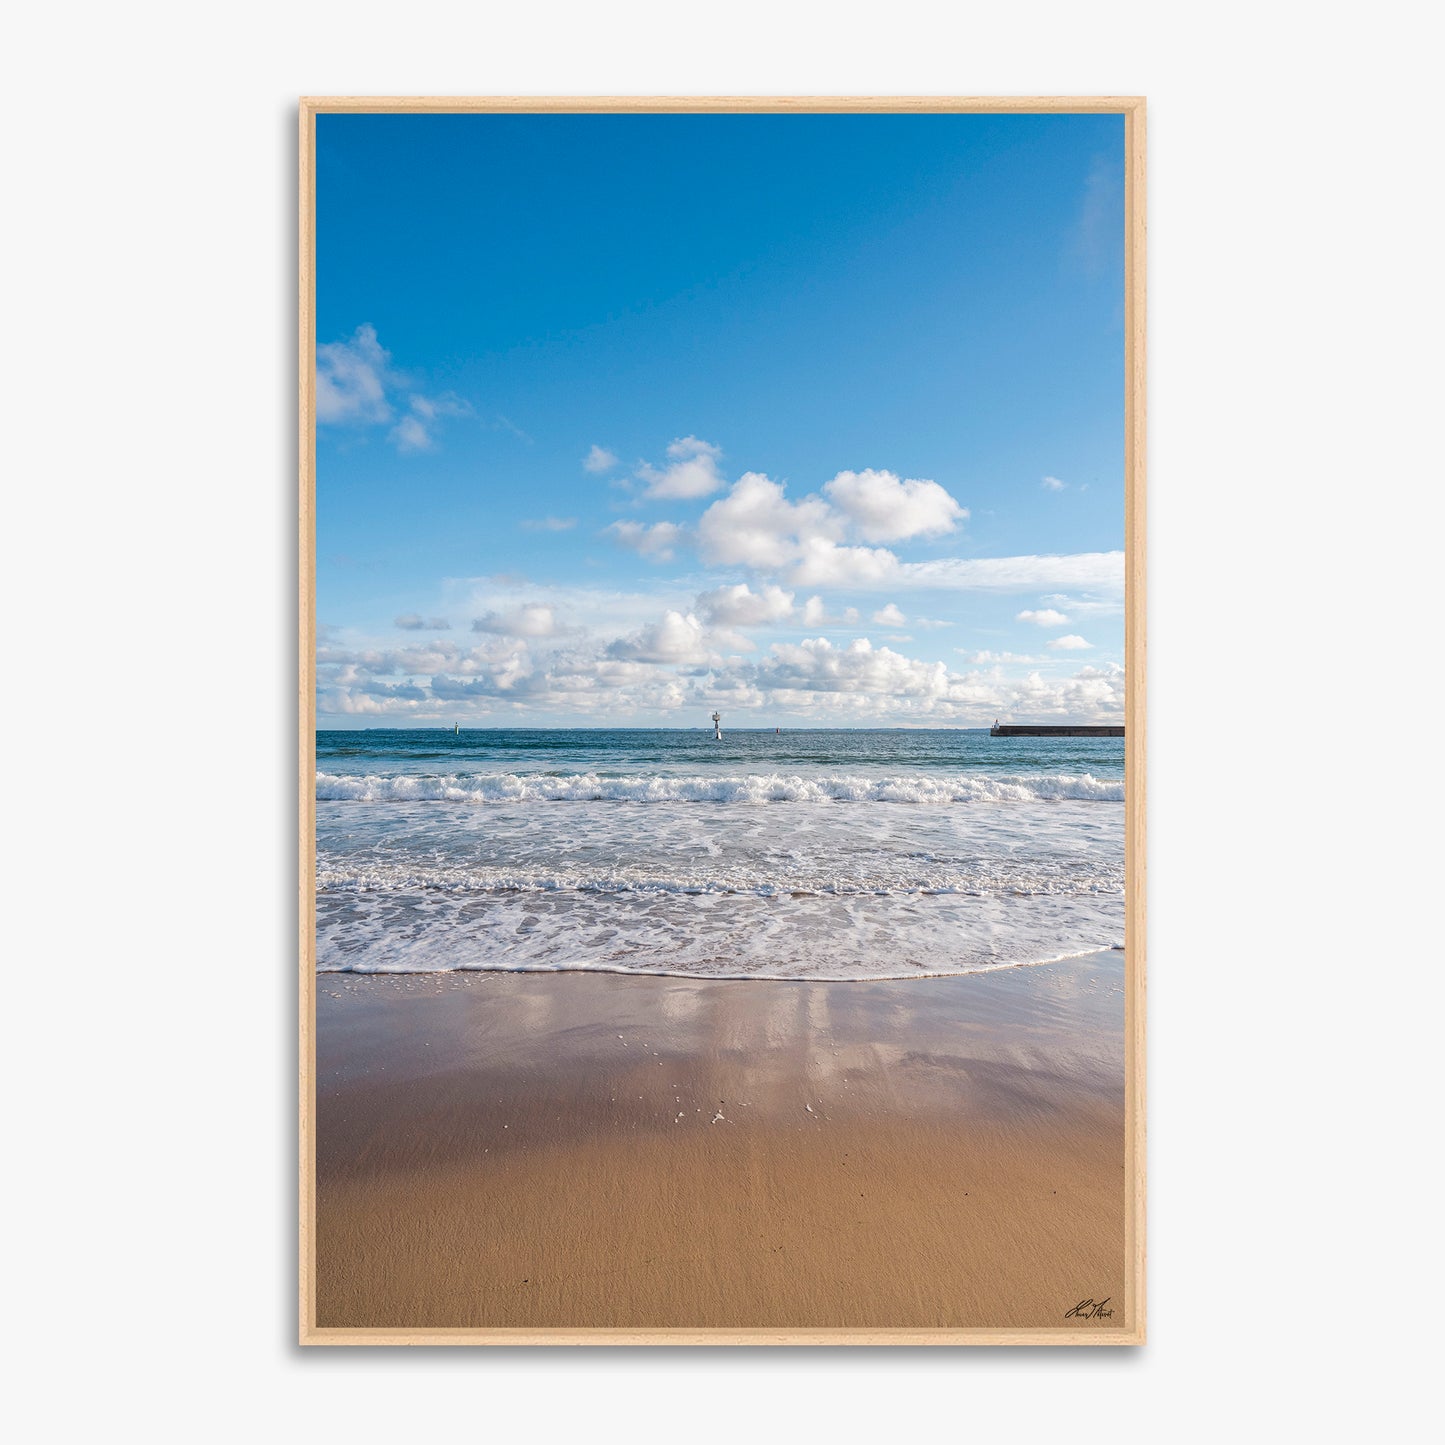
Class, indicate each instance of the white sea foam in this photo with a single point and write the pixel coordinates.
(796, 879)
(706, 936)
(999, 857)
(752, 788)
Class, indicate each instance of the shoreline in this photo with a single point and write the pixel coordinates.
(588, 1150)
(619, 971)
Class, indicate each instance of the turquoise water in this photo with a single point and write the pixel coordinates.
(806, 854)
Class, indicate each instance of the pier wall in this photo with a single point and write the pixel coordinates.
(1022, 730)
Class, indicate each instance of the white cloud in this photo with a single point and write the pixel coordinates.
(549, 524)
(656, 541)
(429, 408)
(348, 664)
(599, 459)
(1087, 606)
(815, 614)
(804, 542)
(675, 639)
(756, 526)
(356, 386)
(1099, 230)
(825, 564)
(411, 435)
(597, 612)
(815, 665)
(352, 379)
(1071, 643)
(532, 619)
(1053, 484)
(691, 471)
(1084, 571)
(414, 622)
(984, 657)
(1043, 617)
(881, 507)
(740, 606)
(890, 616)
(670, 666)
(416, 432)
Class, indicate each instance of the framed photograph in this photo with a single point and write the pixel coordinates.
(722, 720)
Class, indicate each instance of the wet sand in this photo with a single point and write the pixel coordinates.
(524, 1151)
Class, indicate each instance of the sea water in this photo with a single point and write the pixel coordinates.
(830, 854)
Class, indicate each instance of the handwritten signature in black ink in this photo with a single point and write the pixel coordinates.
(1088, 1309)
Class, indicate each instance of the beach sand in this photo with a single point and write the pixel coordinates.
(590, 1150)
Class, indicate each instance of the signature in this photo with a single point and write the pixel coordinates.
(1088, 1309)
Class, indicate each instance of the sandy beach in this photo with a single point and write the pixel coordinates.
(523, 1151)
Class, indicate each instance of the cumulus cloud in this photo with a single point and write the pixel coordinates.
(1053, 484)
(820, 540)
(1043, 617)
(889, 616)
(415, 622)
(815, 665)
(807, 542)
(356, 386)
(740, 606)
(825, 564)
(532, 619)
(581, 609)
(756, 526)
(599, 459)
(1071, 643)
(549, 524)
(691, 471)
(986, 656)
(881, 507)
(675, 639)
(815, 614)
(352, 378)
(674, 664)
(863, 680)
(656, 541)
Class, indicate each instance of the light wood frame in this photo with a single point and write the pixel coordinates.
(1132, 108)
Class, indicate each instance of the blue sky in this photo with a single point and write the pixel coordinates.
(813, 419)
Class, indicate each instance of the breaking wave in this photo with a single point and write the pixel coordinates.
(751, 788)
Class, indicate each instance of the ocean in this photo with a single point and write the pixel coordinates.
(828, 854)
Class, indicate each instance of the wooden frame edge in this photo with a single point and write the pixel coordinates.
(800, 1338)
(306, 717)
(1135, 932)
(662, 104)
(1133, 109)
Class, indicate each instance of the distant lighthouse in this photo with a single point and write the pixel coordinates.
(717, 727)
